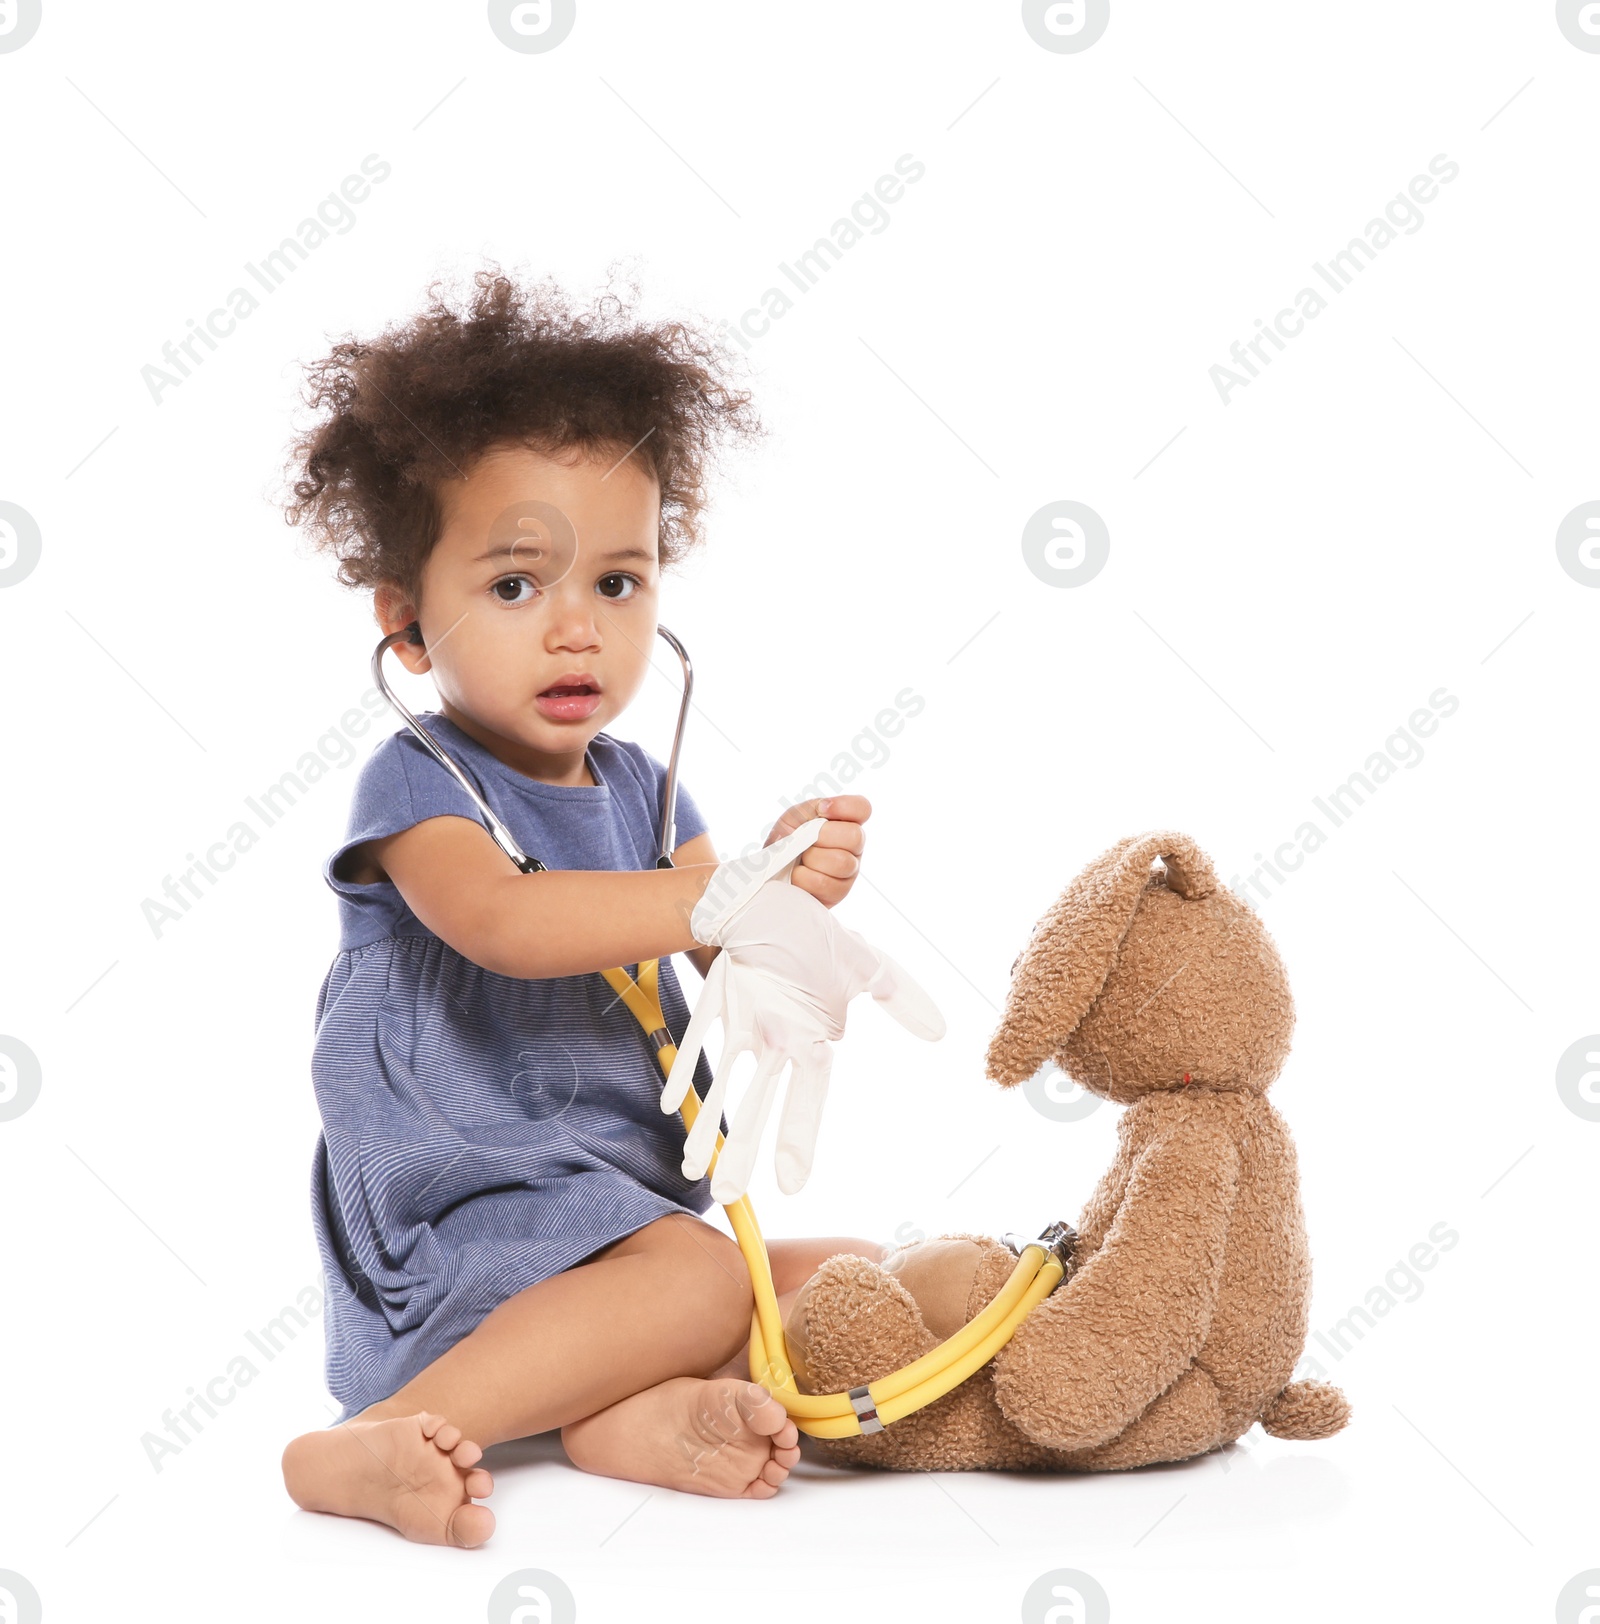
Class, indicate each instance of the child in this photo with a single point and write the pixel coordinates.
(509, 1243)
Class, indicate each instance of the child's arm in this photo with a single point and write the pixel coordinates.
(691, 853)
(563, 922)
(573, 921)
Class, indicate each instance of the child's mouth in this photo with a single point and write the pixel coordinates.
(568, 702)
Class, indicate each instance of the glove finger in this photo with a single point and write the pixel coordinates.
(739, 1037)
(802, 1115)
(894, 990)
(709, 1005)
(731, 1176)
(701, 1144)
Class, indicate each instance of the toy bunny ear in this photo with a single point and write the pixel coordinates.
(1064, 966)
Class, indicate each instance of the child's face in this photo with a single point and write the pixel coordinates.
(545, 569)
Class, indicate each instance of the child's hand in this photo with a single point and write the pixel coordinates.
(827, 869)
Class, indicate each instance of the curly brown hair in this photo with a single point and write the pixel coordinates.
(424, 400)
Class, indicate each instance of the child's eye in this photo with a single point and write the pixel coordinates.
(620, 575)
(514, 583)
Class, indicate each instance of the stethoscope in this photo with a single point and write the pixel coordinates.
(502, 835)
(1041, 1264)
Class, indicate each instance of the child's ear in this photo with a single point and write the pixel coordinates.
(396, 611)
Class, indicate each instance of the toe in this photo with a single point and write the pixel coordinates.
(479, 1484)
(773, 1473)
(765, 1414)
(447, 1437)
(465, 1453)
(430, 1424)
(470, 1525)
(786, 1458)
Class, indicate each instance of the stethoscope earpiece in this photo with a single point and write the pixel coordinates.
(414, 633)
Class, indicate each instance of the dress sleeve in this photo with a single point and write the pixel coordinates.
(689, 821)
(399, 785)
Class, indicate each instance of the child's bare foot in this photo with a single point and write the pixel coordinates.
(416, 1473)
(720, 1437)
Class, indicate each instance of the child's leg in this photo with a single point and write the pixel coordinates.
(793, 1263)
(672, 1300)
(624, 1440)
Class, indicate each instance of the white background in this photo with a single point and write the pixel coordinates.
(1372, 519)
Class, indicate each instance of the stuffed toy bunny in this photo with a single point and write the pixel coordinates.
(1184, 1308)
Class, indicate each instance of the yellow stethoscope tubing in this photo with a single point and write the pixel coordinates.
(834, 1415)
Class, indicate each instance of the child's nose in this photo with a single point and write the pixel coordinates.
(573, 618)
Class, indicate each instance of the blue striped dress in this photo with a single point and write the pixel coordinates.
(480, 1132)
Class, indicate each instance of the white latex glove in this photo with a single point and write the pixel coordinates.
(735, 882)
(780, 986)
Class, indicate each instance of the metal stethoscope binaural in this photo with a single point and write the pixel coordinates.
(502, 835)
(1041, 1264)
